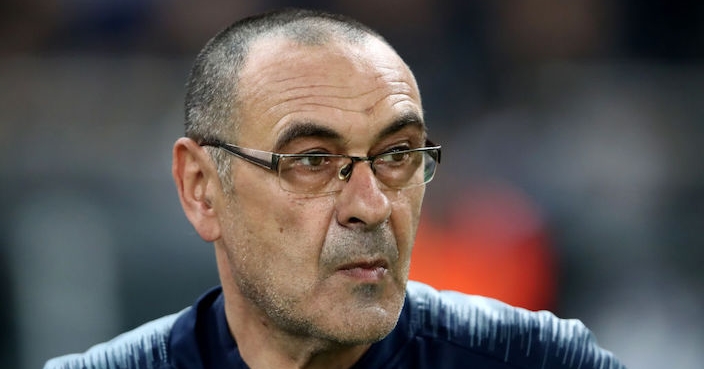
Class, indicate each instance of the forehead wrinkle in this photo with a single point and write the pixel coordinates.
(312, 107)
(388, 76)
(325, 94)
(265, 91)
(395, 85)
(396, 97)
(335, 101)
(389, 81)
(340, 85)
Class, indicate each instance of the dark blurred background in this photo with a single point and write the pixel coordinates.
(572, 177)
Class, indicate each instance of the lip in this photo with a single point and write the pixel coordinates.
(365, 270)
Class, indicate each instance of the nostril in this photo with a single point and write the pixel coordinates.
(354, 220)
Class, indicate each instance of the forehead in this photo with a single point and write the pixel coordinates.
(356, 90)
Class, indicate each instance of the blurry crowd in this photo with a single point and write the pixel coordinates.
(571, 179)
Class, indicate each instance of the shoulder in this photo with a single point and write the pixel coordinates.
(144, 347)
(493, 329)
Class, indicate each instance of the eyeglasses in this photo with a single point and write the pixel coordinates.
(318, 173)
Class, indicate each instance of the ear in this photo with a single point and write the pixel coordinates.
(197, 184)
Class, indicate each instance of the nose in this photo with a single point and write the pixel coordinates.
(361, 203)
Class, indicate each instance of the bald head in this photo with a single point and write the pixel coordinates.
(213, 86)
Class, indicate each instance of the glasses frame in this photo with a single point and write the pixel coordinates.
(272, 164)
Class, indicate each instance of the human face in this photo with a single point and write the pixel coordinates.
(332, 266)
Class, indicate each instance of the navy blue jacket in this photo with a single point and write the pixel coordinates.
(438, 330)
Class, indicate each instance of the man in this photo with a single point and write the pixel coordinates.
(305, 162)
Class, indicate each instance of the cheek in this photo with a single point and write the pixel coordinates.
(411, 213)
(405, 218)
(302, 217)
(277, 240)
(300, 228)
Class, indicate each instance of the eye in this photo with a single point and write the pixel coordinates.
(395, 155)
(312, 160)
(398, 156)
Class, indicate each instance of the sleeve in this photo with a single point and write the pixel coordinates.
(517, 337)
(145, 347)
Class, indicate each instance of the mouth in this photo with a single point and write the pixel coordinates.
(365, 270)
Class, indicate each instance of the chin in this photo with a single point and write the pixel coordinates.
(367, 332)
(368, 323)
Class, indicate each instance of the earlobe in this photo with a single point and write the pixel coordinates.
(196, 181)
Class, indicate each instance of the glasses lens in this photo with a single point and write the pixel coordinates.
(317, 174)
(311, 174)
(430, 164)
(405, 168)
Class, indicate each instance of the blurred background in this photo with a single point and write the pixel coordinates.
(572, 175)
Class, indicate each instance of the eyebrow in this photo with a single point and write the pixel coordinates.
(305, 129)
(311, 129)
(409, 119)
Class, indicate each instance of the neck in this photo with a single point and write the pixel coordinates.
(262, 345)
(284, 351)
